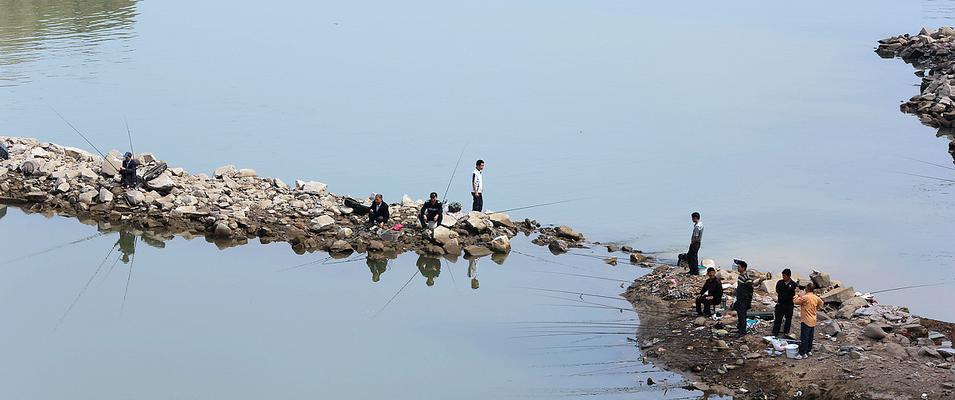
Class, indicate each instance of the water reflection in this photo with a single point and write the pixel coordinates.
(472, 273)
(377, 265)
(74, 32)
(429, 267)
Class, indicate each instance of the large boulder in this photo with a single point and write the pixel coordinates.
(30, 167)
(162, 183)
(77, 154)
(443, 235)
(312, 187)
(322, 223)
(105, 196)
(501, 244)
(87, 197)
(340, 246)
(850, 306)
(135, 197)
(477, 222)
(222, 230)
(477, 251)
(820, 279)
(874, 331)
(838, 295)
(110, 165)
(896, 350)
(224, 170)
(501, 219)
(453, 247)
(557, 246)
(246, 173)
(568, 233)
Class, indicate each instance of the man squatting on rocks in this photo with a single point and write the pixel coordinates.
(128, 172)
(710, 295)
(785, 292)
(477, 186)
(808, 304)
(744, 296)
(693, 254)
(378, 213)
(431, 212)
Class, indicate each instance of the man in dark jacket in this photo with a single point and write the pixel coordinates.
(128, 172)
(744, 296)
(4, 154)
(710, 294)
(785, 292)
(378, 213)
(431, 211)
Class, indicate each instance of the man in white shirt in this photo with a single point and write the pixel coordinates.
(477, 186)
(693, 254)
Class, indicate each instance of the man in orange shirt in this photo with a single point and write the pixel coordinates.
(808, 304)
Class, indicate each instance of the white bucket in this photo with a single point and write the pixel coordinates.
(792, 350)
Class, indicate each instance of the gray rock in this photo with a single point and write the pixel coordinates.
(224, 170)
(915, 330)
(222, 230)
(820, 279)
(874, 331)
(87, 197)
(344, 233)
(501, 244)
(557, 246)
(501, 219)
(63, 187)
(838, 295)
(312, 187)
(452, 247)
(105, 196)
(340, 246)
(444, 235)
(279, 184)
(831, 328)
(30, 167)
(566, 232)
(850, 306)
(928, 352)
(322, 223)
(135, 197)
(896, 350)
(162, 183)
(477, 222)
(477, 251)
(246, 173)
(110, 165)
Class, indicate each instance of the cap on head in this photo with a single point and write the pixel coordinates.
(128, 154)
(740, 263)
(787, 272)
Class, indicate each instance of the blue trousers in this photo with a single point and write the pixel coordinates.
(805, 338)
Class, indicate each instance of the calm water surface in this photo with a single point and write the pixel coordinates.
(777, 122)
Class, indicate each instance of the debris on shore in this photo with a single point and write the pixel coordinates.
(233, 205)
(862, 349)
(932, 53)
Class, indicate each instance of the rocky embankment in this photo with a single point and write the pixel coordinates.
(862, 349)
(933, 56)
(233, 205)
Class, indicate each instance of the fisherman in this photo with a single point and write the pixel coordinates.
(378, 213)
(711, 294)
(4, 154)
(808, 304)
(127, 245)
(743, 295)
(431, 213)
(377, 265)
(429, 267)
(693, 254)
(785, 292)
(128, 172)
(477, 186)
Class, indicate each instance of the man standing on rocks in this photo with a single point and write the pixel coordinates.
(744, 296)
(4, 154)
(710, 294)
(785, 292)
(477, 186)
(808, 304)
(693, 254)
(128, 173)
(431, 212)
(378, 213)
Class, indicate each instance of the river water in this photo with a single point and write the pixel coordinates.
(776, 121)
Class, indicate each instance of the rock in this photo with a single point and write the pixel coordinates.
(322, 223)
(443, 235)
(105, 196)
(135, 197)
(63, 187)
(501, 219)
(701, 386)
(30, 167)
(340, 246)
(407, 201)
(476, 222)
(501, 244)
(831, 328)
(849, 307)
(246, 173)
(224, 170)
(344, 233)
(769, 286)
(162, 183)
(449, 220)
(311, 187)
(822, 316)
(874, 331)
(820, 279)
(110, 165)
(87, 197)
(896, 350)
(557, 246)
(612, 248)
(637, 258)
(477, 251)
(700, 321)
(222, 230)
(279, 183)
(838, 295)
(566, 232)
(915, 331)
(77, 154)
(928, 352)
(452, 247)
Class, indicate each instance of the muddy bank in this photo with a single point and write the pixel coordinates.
(232, 206)
(932, 53)
(862, 349)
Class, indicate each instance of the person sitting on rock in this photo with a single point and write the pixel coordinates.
(378, 213)
(431, 212)
(710, 295)
(743, 295)
(785, 292)
(128, 172)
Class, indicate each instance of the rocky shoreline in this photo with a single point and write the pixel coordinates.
(862, 349)
(232, 206)
(932, 53)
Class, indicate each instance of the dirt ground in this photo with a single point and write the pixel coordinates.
(846, 365)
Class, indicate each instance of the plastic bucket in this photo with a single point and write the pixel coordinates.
(792, 350)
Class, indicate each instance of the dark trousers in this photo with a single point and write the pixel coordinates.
(424, 221)
(478, 204)
(741, 320)
(693, 258)
(128, 179)
(702, 302)
(805, 338)
(782, 311)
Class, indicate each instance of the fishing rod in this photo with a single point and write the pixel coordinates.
(539, 205)
(924, 176)
(129, 135)
(81, 135)
(416, 271)
(86, 286)
(569, 292)
(129, 276)
(908, 287)
(59, 246)
(453, 172)
(929, 163)
(580, 275)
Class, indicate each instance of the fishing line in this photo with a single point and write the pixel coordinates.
(923, 176)
(416, 271)
(129, 135)
(570, 292)
(129, 276)
(928, 162)
(83, 290)
(54, 248)
(81, 134)
(305, 264)
(453, 172)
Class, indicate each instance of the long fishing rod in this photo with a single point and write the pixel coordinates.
(322, 261)
(59, 246)
(539, 205)
(416, 271)
(83, 290)
(570, 292)
(82, 136)
(129, 276)
(924, 176)
(581, 275)
(454, 171)
(129, 135)
(908, 287)
(929, 163)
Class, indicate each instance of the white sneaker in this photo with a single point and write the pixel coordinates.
(809, 354)
(800, 357)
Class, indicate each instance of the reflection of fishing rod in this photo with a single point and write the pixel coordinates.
(86, 286)
(581, 294)
(924, 176)
(416, 271)
(82, 136)
(129, 276)
(59, 246)
(929, 163)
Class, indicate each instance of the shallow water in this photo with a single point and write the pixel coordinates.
(776, 121)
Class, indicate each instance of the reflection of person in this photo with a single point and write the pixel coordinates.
(3, 211)
(785, 292)
(127, 245)
(377, 266)
(710, 294)
(378, 213)
(429, 267)
(472, 273)
(743, 295)
(431, 212)
(693, 254)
